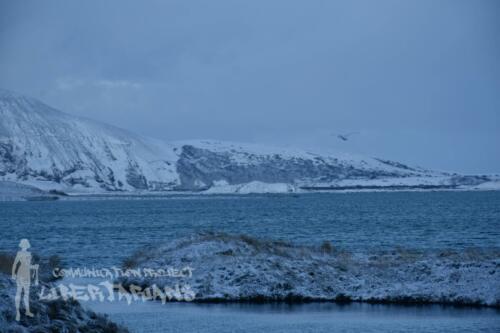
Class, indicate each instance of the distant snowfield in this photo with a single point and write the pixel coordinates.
(50, 150)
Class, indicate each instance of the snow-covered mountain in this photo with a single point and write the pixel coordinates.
(49, 149)
(45, 147)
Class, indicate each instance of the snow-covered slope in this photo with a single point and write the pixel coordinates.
(241, 268)
(49, 149)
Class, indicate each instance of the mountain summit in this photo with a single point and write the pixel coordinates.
(49, 149)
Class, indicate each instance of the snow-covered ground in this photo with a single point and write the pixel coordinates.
(488, 186)
(223, 187)
(240, 268)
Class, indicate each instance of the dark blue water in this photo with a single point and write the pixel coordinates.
(299, 318)
(101, 232)
(104, 232)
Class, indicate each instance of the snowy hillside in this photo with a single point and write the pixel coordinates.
(49, 149)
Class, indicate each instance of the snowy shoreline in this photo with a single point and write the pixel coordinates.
(19, 192)
(229, 268)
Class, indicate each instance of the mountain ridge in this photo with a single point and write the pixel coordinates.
(50, 149)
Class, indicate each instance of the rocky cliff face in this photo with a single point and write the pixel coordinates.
(49, 149)
(205, 166)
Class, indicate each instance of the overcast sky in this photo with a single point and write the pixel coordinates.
(419, 80)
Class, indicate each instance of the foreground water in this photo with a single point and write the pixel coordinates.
(325, 317)
(101, 233)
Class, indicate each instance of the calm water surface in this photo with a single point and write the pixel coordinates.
(284, 318)
(100, 233)
(103, 232)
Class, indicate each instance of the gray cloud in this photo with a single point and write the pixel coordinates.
(419, 80)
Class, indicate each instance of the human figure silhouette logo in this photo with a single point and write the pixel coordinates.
(21, 273)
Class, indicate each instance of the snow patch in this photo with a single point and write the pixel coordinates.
(252, 187)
